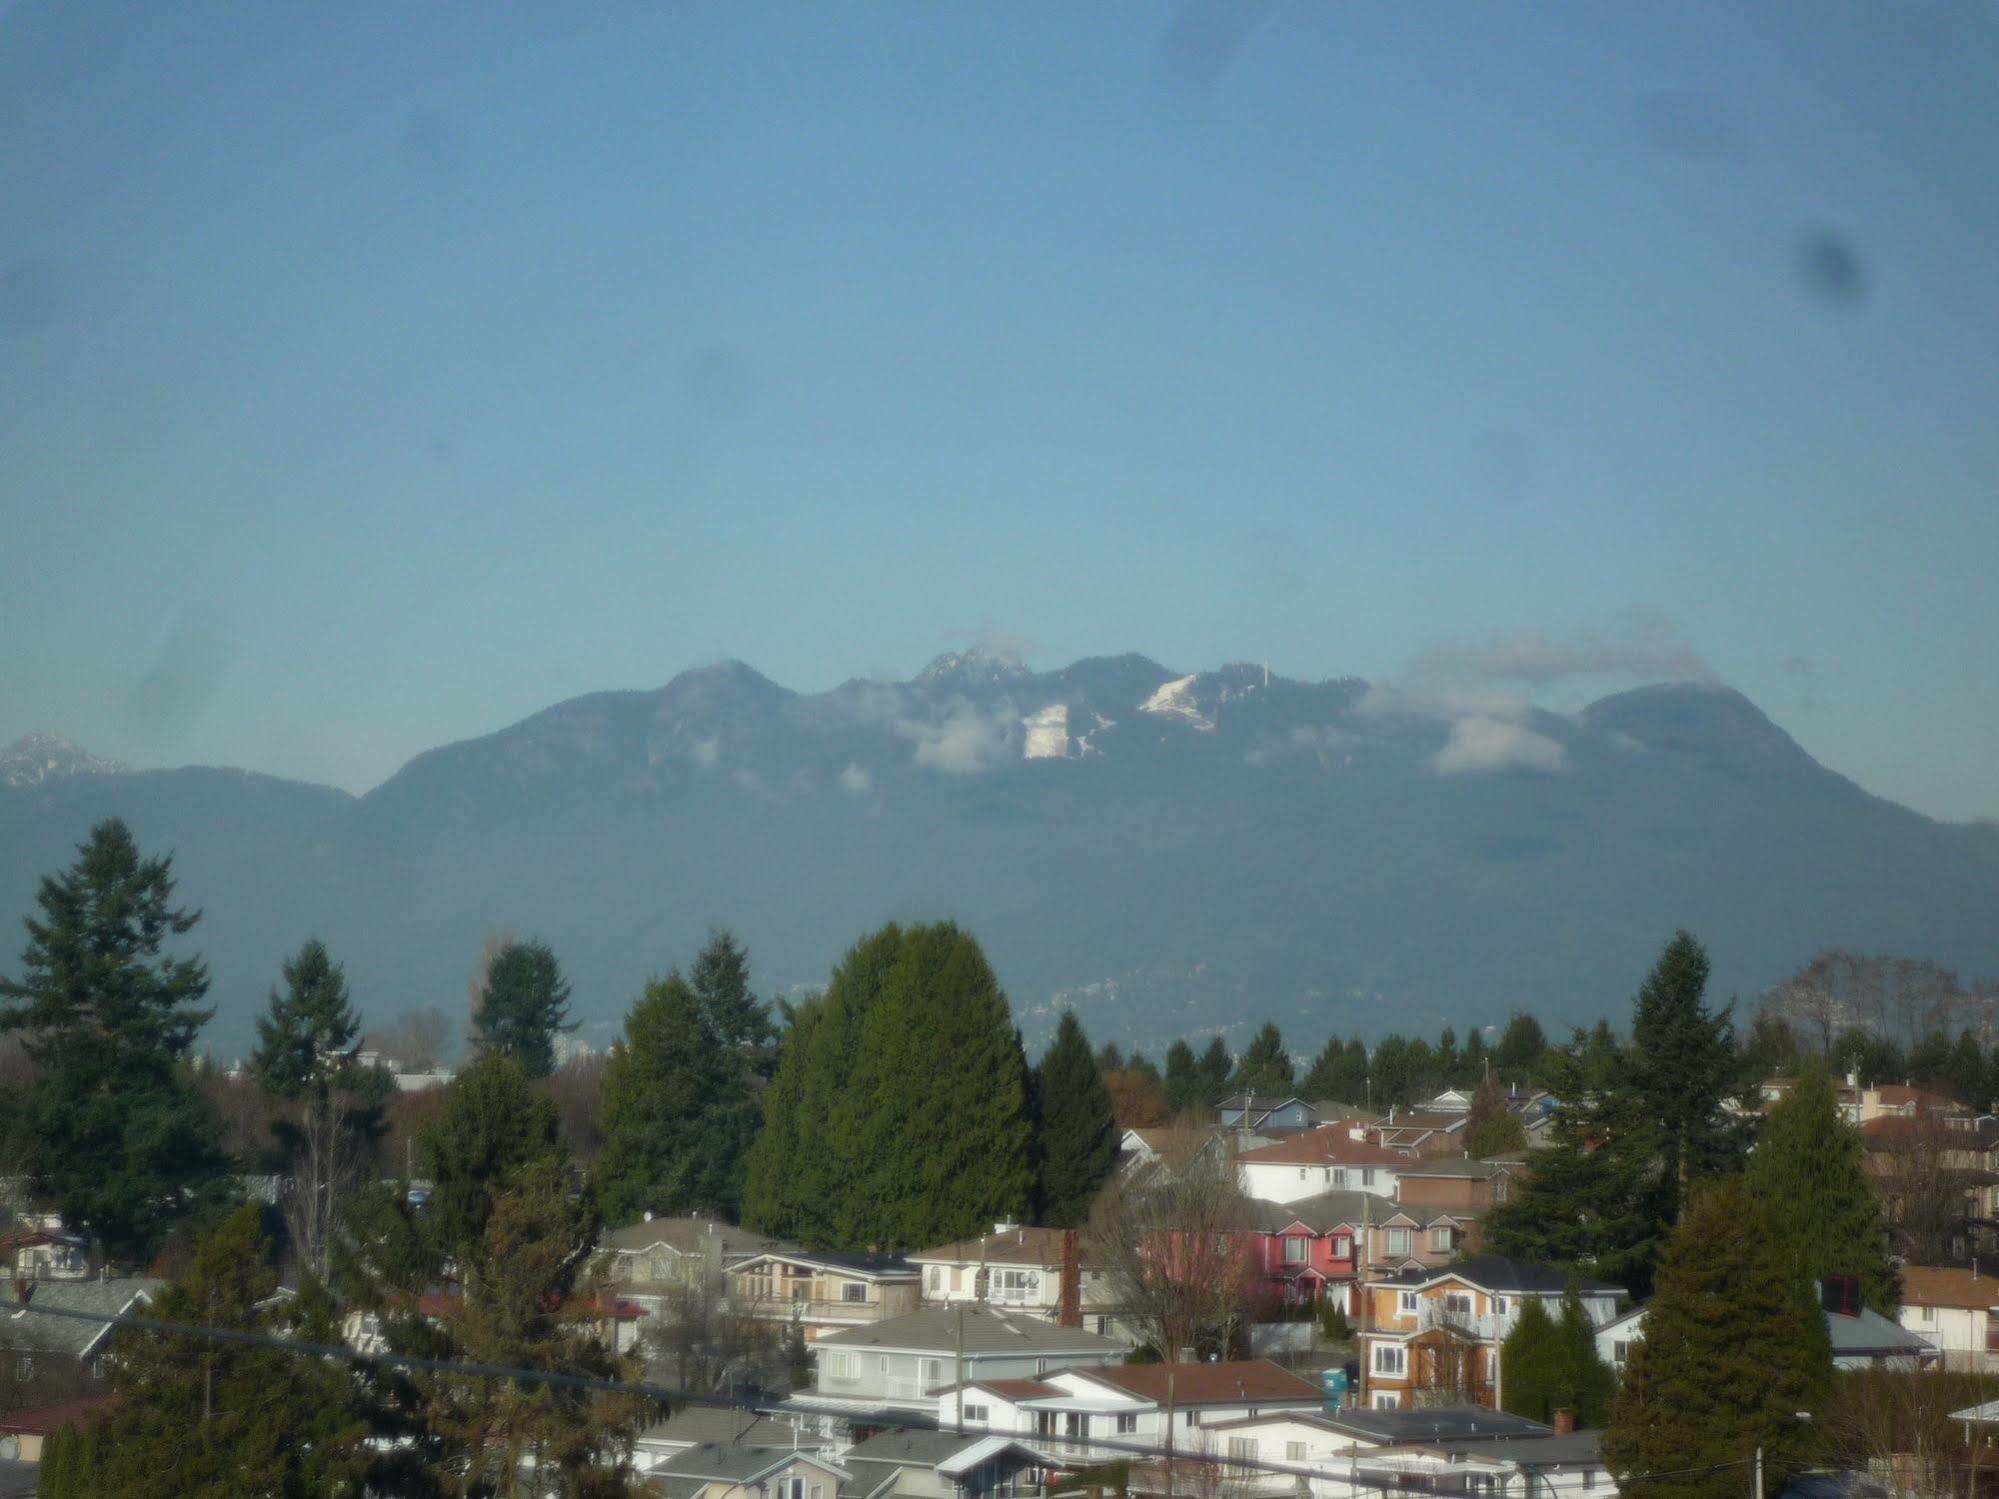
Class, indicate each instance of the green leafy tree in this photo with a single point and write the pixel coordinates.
(932, 1128)
(720, 980)
(1076, 1133)
(523, 1007)
(1809, 1173)
(1521, 1046)
(677, 1109)
(1733, 1349)
(202, 1417)
(1339, 1072)
(1183, 1078)
(1492, 1128)
(1680, 1070)
(794, 1180)
(493, 1124)
(1265, 1066)
(120, 1140)
(1531, 1373)
(307, 1045)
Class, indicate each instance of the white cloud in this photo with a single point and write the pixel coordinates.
(1478, 744)
(856, 780)
(706, 752)
(1648, 648)
(967, 739)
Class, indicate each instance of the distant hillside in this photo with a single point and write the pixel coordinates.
(1170, 853)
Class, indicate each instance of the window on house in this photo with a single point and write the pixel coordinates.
(1325, 1173)
(843, 1365)
(1301, 1173)
(1367, 1176)
(1294, 1452)
(1296, 1250)
(1387, 1401)
(1127, 1423)
(1017, 1285)
(853, 1290)
(1499, 1189)
(1243, 1448)
(1190, 1418)
(1457, 1303)
(1405, 1304)
(1398, 1241)
(1589, 1478)
(978, 1415)
(1340, 1177)
(934, 1279)
(1440, 1240)
(1342, 1247)
(1499, 1305)
(1619, 1350)
(1927, 1315)
(1391, 1359)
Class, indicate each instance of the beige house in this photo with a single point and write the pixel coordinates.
(823, 1293)
(1017, 1268)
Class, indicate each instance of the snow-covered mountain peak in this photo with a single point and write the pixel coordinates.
(34, 759)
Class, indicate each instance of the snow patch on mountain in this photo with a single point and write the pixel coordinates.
(1176, 699)
(35, 759)
(1047, 733)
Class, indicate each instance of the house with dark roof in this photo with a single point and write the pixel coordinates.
(899, 1363)
(1265, 1113)
(1434, 1333)
(819, 1292)
(40, 1345)
(1316, 1246)
(651, 1259)
(945, 1465)
(1861, 1338)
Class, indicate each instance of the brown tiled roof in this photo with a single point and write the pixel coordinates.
(1323, 1147)
(1945, 1285)
(1208, 1384)
(1897, 1095)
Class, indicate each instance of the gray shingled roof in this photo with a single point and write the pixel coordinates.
(1498, 1272)
(688, 1236)
(712, 1423)
(728, 1462)
(936, 1329)
(70, 1335)
(914, 1448)
(1454, 1424)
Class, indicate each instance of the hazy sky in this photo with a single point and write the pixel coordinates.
(373, 374)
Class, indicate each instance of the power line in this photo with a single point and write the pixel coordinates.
(668, 1395)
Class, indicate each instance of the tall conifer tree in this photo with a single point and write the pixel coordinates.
(1183, 1078)
(120, 1141)
(1075, 1127)
(1809, 1172)
(523, 1007)
(1734, 1348)
(1681, 1068)
(1265, 1066)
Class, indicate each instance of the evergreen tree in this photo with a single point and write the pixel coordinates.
(1680, 1070)
(1477, 1060)
(1403, 1071)
(1215, 1068)
(1965, 1078)
(1183, 1078)
(741, 1022)
(1733, 1350)
(677, 1110)
(1110, 1058)
(932, 1127)
(1075, 1127)
(1809, 1173)
(120, 1141)
(222, 1418)
(1140, 1065)
(1588, 1384)
(795, 1179)
(1339, 1072)
(1594, 1199)
(1770, 1049)
(493, 1123)
(1531, 1364)
(1521, 1046)
(525, 1307)
(1449, 1060)
(308, 1041)
(523, 1007)
(1492, 1128)
(1265, 1066)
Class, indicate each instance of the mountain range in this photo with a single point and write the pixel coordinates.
(1170, 854)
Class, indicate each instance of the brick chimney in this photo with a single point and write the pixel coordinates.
(1069, 1310)
(1565, 1423)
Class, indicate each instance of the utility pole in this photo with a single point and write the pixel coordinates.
(958, 1373)
(1759, 1471)
(1171, 1370)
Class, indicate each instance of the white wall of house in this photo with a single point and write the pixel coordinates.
(1285, 1182)
(1961, 1333)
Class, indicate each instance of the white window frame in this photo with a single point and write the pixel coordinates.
(1294, 1452)
(1127, 1423)
(845, 1364)
(1296, 1250)
(1397, 1240)
(1386, 1400)
(1405, 1304)
(1243, 1448)
(1440, 1239)
(978, 1415)
(1389, 1361)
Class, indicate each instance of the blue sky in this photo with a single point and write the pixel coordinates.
(374, 374)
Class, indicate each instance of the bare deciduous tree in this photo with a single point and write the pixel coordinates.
(1901, 999)
(1168, 1241)
(416, 1039)
(1895, 1426)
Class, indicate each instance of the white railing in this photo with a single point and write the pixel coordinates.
(1434, 1315)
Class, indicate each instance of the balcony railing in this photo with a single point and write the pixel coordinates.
(813, 1309)
(1434, 1316)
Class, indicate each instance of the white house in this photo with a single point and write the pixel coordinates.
(1019, 1269)
(1329, 1158)
(1957, 1311)
(900, 1363)
(1861, 1338)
